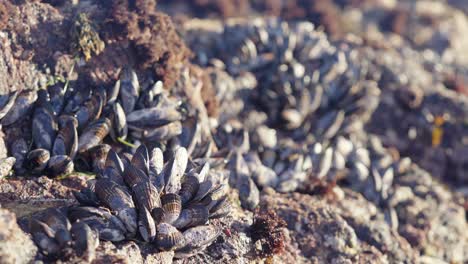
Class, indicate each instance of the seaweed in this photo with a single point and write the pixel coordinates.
(267, 229)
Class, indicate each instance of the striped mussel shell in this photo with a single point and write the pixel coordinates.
(169, 237)
(161, 215)
(172, 206)
(76, 121)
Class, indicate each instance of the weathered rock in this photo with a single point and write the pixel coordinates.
(336, 235)
(25, 196)
(15, 245)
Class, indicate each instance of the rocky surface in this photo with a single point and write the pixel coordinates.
(15, 245)
(424, 68)
(24, 196)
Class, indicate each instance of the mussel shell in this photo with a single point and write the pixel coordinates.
(63, 120)
(98, 156)
(44, 128)
(196, 239)
(89, 111)
(153, 117)
(162, 133)
(20, 109)
(85, 241)
(113, 160)
(76, 213)
(129, 89)
(37, 159)
(60, 165)
(146, 196)
(133, 176)
(248, 192)
(168, 237)
(189, 188)
(113, 195)
(112, 174)
(86, 197)
(118, 200)
(172, 206)
(57, 95)
(174, 170)
(156, 162)
(94, 134)
(221, 208)
(100, 219)
(66, 142)
(75, 100)
(113, 93)
(325, 163)
(141, 158)
(10, 101)
(204, 189)
(59, 225)
(146, 225)
(119, 122)
(107, 228)
(329, 125)
(47, 245)
(192, 216)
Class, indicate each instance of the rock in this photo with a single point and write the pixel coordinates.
(15, 245)
(338, 231)
(25, 196)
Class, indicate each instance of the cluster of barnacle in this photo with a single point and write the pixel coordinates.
(70, 124)
(140, 197)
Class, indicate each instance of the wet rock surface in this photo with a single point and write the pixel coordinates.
(384, 210)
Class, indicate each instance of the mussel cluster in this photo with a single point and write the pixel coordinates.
(57, 237)
(68, 124)
(304, 82)
(302, 101)
(140, 197)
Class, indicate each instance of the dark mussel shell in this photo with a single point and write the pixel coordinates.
(44, 128)
(38, 159)
(118, 200)
(60, 165)
(189, 188)
(119, 122)
(129, 89)
(66, 142)
(85, 241)
(98, 156)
